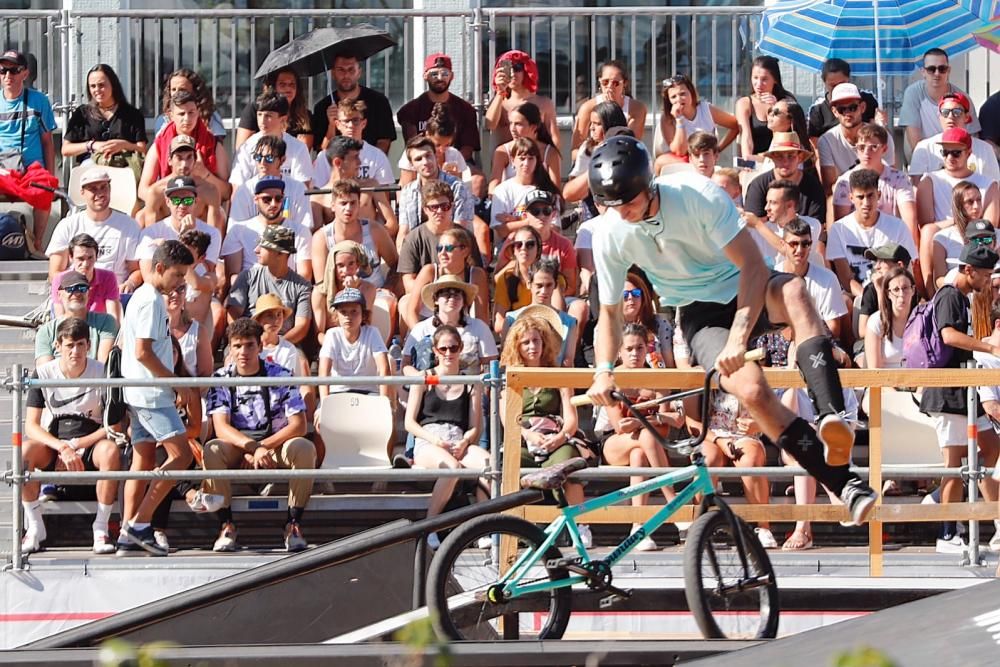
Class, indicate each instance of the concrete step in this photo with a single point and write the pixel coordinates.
(26, 270)
(30, 292)
(14, 340)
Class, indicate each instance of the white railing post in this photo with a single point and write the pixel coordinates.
(972, 555)
(494, 386)
(17, 464)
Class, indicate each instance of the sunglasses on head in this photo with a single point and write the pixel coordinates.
(182, 201)
(937, 69)
(11, 70)
(634, 293)
(449, 349)
(540, 211)
(266, 159)
(443, 207)
(952, 152)
(527, 245)
(846, 108)
(449, 247)
(953, 112)
(270, 199)
(676, 80)
(76, 289)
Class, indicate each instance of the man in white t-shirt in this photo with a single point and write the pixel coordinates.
(836, 147)
(182, 194)
(117, 235)
(270, 157)
(866, 227)
(781, 205)
(272, 118)
(351, 122)
(820, 281)
(147, 353)
(953, 111)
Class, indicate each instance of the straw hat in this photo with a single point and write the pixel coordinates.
(546, 313)
(784, 142)
(445, 282)
(270, 301)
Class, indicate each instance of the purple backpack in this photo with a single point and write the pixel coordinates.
(923, 346)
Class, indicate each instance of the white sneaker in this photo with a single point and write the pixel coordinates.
(485, 542)
(955, 545)
(837, 437)
(32, 542)
(161, 539)
(586, 537)
(766, 538)
(103, 543)
(206, 502)
(226, 542)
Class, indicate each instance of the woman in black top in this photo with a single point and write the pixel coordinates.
(284, 82)
(107, 125)
(752, 111)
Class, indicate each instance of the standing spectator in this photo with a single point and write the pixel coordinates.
(26, 125)
(935, 188)
(189, 81)
(260, 428)
(74, 439)
(423, 156)
(185, 161)
(117, 235)
(272, 118)
(919, 114)
(884, 334)
(351, 120)
(148, 353)
(515, 81)
(948, 406)
(837, 152)
(269, 157)
(182, 196)
(821, 118)
(103, 294)
(613, 82)
(765, 83)
(684, 113)
(526, 123)
(821, 283)
(780, 205)
(107, 129)
(353, 347)
(74, 289)
(415, 114)
(788, 154)
(380, 131)
(271, 274)
(284, 82)
(954, 110)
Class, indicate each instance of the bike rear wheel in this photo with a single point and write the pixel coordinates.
(722, 603)
(462, 590)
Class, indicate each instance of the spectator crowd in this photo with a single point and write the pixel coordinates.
(306, 251)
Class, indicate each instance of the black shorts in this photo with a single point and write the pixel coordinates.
(705, 326)
(87, 457)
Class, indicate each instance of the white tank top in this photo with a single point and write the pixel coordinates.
(189, 348)
(944, 184)
(702, 122)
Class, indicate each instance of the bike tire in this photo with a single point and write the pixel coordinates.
(709, 555)
(456, 561)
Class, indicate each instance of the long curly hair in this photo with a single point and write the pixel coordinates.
(299, 118)
(202, 93)
(551, 344)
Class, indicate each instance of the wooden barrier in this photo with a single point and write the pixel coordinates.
(521, 378)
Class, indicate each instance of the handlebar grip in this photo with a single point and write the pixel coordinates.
(580, 401)
(755, 354)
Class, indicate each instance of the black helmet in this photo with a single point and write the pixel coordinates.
(620, 169)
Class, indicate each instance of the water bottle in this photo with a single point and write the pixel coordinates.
(396, 354)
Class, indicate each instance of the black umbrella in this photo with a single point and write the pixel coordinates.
(313, 53)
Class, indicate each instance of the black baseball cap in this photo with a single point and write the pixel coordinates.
(979, 229)
(978, 256)
(890, 252)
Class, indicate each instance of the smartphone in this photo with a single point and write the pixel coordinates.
(741, 163)
(507, 67)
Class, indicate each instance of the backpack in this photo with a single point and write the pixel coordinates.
(13, 239)
(923, 346)
(115, 407)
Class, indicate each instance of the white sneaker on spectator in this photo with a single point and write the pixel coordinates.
(103, 543)
(484, 542)
(586, 537)
(206, 502)
(268, 489)
(645, 544)
(953, 545)
(161, 539)
(32, 541)
(766, 538)
(294, 542)
(226, 541)
(995, 540)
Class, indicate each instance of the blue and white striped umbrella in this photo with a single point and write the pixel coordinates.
(877, 37)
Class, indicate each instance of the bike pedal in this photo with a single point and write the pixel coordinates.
(618, 596)
(562, 563)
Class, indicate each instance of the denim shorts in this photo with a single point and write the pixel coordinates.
(155, 424)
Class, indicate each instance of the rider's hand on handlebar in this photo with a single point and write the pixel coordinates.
(600, 390)
(732, 358)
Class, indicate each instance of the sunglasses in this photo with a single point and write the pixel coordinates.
(953, 112)
(449, 349)
(634, 293)
(443, 207)
(11, 70)
(76, 289)
(439, 74)
(613, 83)
(450, 293)
(450, 247)
(983, 240)
(527, 245)
(799, 244)
(937, 69)
(846, 108)
(952, 152)
(775, 111)
(540, 211)
(270, 199)
(182, 201)
(266, 159)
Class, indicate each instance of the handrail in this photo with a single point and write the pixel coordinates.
(255, 381)
(576, 12)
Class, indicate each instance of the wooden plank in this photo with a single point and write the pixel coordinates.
(875, 479)
(510, 480)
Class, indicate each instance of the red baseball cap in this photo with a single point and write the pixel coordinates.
(958, 97)
(956, 135)
(436, 60)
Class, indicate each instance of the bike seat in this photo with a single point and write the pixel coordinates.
(553, 477)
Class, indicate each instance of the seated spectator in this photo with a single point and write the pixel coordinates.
(603, 117)
(947, 243)
(269, 158)
(351, 122)
(184, 163)
(787, 116)
(445, 421)
(27, 127)
(202, 305)
(422, 155)
(639, 307)
(544, 276)
(353, 348)
(787, 154)
(511, 281)
(102, 297)
(260, 428)
(753, 110)
(702, 154)
(625, 441)
(195, 345)
(954, 110)
(74, 289)
(271, 313)
(209, 150)
(884, 334)
(74, 439)
(243, 236)
(896, 195)
(347, 268)
(415, 116)
(449, 298)
(548, 419)
(117, 235)
(837, 152)
(919, 113)
(348, 225)
(346, 74)
(884, 260)
(515, 80)
(182, 199)
(510, 197)
(781, 207)
(526, 124)
(285, 82)
(189, 81)
(866, 227)
(107, 129)
(728, 179)
(272, 117)
(835, 72)
(821, 283)
(344, 154)
(683, 114)
(271, 274)
(440, 129)
(613, 82)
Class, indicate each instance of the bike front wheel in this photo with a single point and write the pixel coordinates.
(465, 598)
(726, 600)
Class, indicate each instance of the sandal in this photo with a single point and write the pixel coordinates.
(798, 541)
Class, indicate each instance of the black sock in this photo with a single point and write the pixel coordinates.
(800, 440)
(948, 530)
(819, 369)
(295, 514)
(225, 515)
